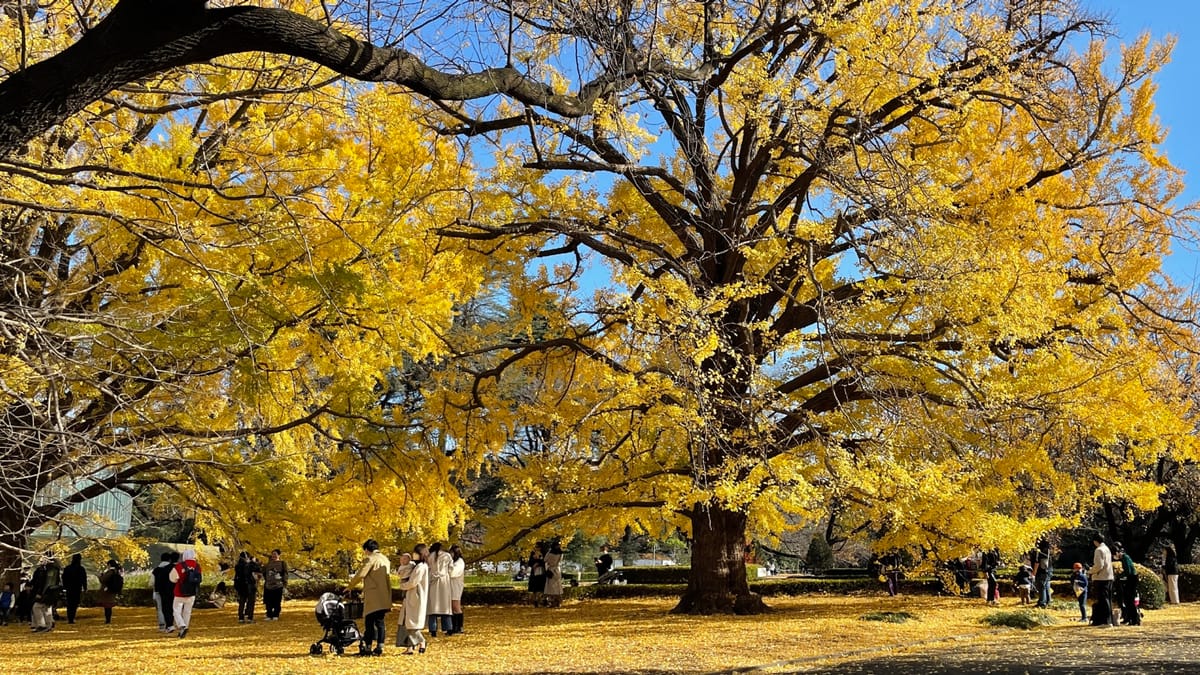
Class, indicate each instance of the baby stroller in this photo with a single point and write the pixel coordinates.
(337, 618)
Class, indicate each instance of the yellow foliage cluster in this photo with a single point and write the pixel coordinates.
(911, 278)
(247, 265)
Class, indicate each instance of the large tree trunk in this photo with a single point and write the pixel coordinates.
(12, 541)
(717, 583)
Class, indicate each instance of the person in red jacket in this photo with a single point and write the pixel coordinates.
(186, 577)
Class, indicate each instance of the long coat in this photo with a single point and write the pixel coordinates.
(554, 574)
(106, 598)
(416, 596)
(458, 573)
(375, 577)
(439, 582)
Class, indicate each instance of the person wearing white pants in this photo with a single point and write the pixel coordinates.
(185, 593)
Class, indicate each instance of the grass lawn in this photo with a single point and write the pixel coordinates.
(634, 636)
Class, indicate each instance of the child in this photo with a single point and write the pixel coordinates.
(1024, 583)
(6, 602)
(1079, 584)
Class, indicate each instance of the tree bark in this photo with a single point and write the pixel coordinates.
(717, 582)
(142, 38)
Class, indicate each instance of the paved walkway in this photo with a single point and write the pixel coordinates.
(1155, 648)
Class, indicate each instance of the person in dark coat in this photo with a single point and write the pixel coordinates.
(74, 581)
(166, 589)
(245, 583)
(112, 582)
(1171, 574)
(23, 606)
(537, 574)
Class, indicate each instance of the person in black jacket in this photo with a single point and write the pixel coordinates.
(245, 582)
(74, 580)
(165, 588)
(990, 563)
(1171, 574)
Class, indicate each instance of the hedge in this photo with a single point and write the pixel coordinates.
(1189, 583)
(1151, 588)
(655, 575)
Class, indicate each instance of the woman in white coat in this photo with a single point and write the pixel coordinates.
(458, 573)
(554, 581)
(439, 589)
(416, 597)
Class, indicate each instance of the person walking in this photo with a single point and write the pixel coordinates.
(275, 578)
(112, 583)
(164, 590)
(458, 573)
(554, 582)
(1079, 584)
(245, 583)
(416, 596)
(1171, 574)
(1129, 591)
(74, 581)
(47, 591)
(186, 575)
(439, 607)
(1102, 579)
(374, 575)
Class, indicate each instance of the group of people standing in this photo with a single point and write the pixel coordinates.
(49, 584)
(545, 574)
(247, 574)
(431, 588)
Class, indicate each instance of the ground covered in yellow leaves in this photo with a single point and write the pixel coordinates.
(812, 634)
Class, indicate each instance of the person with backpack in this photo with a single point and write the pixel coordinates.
(164, 590)
(275, 575)
(112, 583)
(74, 580)
(245, 583)
(47, 591)
(186, 576)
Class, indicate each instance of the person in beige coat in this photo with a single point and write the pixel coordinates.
(375, 576)
(416, 597)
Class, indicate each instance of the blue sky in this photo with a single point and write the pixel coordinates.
(1178, 94)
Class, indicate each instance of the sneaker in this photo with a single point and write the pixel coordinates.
(241, 620)
(378, 651)
(183, 631)
(170, 630)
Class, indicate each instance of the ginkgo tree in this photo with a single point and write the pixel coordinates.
(902, 256)
(210, 285)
